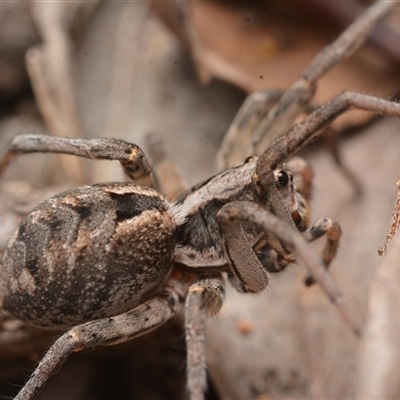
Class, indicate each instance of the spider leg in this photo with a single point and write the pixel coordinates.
(249, 135)
(205, 298)
(108, 331)
(237, 144)
(325, 226)
(130, 156)
(274, 260)
(243, 211)
(281, 117)
(330, 137)
(168, 178)
(301, 135)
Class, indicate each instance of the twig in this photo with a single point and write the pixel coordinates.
(394, 226)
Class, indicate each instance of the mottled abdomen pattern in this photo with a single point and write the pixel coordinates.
(92, 252)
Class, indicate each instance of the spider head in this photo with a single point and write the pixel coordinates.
(279, 192)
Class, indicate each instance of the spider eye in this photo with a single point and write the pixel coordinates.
(282, 178)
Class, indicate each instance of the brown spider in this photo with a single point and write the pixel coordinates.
(114, 261)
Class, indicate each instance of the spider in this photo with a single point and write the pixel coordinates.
(113, 261)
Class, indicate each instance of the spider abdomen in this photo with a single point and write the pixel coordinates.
(89, 253)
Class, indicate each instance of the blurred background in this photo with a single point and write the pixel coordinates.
(182, 70)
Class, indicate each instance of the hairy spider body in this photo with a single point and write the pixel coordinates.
(81, 256)
(116, 243)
